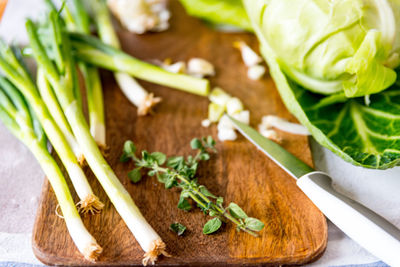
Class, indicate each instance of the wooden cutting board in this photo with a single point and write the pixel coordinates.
(295, 231)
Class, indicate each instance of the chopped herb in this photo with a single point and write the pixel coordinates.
(178, 228)
(212, 226)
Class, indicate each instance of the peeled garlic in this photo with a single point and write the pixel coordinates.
(199, 67)
(243, 116)
(234, 105)
(215, 112)
(249, 57)
(206, 123)
(177, 67)
(225, 123)
(219, 96)
(255, 72)
(227, 135)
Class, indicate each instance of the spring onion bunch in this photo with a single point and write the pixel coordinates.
(19, 118)
(94, 51)
(62, 82)
(12, 66)
(77, 20)
(142, 99)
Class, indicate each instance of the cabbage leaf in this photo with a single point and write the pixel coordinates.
(219, 12)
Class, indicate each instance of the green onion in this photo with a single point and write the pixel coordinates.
(93, 51)
(62, 83)
(142, 99)
(20, 78)
(51, 101)
(79, 21)
(16, 116)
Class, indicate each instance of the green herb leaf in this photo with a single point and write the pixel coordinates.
(176, 162)
(204, 156)
(212, 226)
(162, 177)
(253, 224)
(146, 156)
(128, 151)
(129, 148)
(159, 157)
(152, 173)
(236, 211)
(171, 182)
(185, 193)
(196, 144)
(183, 204)
(213, 213)
(124, 157)
(205, 191)
(220, 201)
(135, 175)
(210, 141)
(178, 228)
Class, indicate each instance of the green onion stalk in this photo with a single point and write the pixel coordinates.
(94, 51)
(21, 121)
(48, 96)
(62, 83)
(77, 20)
(136, 94)
(13, 67)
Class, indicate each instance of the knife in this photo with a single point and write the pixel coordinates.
(364, 226)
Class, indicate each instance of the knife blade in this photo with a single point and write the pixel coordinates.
(370, 230)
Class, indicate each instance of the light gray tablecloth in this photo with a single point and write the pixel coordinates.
(21, 180)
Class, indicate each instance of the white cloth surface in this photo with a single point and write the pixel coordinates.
(22, 178)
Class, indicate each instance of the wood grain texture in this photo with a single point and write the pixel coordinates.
(295, 231)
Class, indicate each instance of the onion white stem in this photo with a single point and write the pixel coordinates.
(47, 94)
(78, 20)
(135, 93)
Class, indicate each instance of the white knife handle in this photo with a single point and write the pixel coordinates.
(370, 230)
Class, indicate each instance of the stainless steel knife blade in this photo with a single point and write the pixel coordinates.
(291, 164)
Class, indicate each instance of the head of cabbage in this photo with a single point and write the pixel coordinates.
(348, 47)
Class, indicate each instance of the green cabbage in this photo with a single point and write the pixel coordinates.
(219, 12)
(348, 47)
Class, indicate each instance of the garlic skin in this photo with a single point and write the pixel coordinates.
(250, 58)
(200, 68)
(256, 72)
(140, 16)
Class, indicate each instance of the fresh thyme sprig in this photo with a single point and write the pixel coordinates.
(179, 172)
